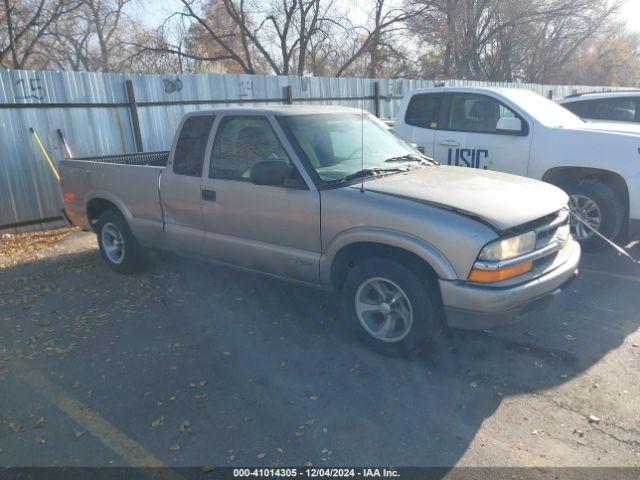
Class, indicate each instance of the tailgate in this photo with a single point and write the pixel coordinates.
(129, 181)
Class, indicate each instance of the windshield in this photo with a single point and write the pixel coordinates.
(337, 144)
(544, 110)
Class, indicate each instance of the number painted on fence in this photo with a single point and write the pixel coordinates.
(172, 86)
(30, 89)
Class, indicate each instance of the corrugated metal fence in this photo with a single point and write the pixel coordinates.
(99, 114)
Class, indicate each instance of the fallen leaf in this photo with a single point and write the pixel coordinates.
(260, 456)
(40, 423)
(184, 426)
(174, 448)
(227, 354)
(79, 433)
(158, 422)
(16, 427)
(313, 397)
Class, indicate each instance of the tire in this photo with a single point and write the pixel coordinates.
(593, 199)
(383, 326)
(112, 228)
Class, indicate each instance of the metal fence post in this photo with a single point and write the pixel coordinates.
(135, 121)
(288, 95)
(376, 99)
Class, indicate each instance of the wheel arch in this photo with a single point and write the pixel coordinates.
(559, 175)
(99, 204)
(416, 255)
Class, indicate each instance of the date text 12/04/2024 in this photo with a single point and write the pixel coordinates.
(316, 472)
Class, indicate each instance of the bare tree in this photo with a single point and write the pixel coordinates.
(252, 36)
(371, 40)
(506, 39)
(24, 24)
(94, 37)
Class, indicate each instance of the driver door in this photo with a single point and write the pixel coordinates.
(273, 229)
(469, 136)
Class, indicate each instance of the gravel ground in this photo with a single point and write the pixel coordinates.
(190, 364)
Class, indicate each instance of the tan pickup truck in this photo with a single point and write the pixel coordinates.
(332, 198)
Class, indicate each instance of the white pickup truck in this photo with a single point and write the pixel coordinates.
(518, 131)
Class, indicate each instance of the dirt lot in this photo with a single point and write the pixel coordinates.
(191, 364)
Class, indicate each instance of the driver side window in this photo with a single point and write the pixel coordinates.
(240, 143)
(475, 113)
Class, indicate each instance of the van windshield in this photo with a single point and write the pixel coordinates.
(339, 146)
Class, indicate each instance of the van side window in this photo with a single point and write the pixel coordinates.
(240, 143)
(617, 109)
(424, 110)
(192, 142)
(579, 108)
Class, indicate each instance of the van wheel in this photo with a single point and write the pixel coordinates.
(118, 246)
(599, 206)
(389, 307)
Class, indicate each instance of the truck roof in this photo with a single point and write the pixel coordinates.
(501, 90)
(282, 110)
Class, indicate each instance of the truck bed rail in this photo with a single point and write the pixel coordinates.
(150, 159)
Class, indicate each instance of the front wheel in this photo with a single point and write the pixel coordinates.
(598, 206)
(118, 247)
(389, 307)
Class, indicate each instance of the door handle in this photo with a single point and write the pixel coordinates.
(450, 143)
(209, 195)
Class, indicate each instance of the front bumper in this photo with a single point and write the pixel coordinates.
(476, 307)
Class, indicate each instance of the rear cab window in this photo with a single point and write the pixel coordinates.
(188, 157)
(424, 110)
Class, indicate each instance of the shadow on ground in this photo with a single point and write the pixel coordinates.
(262, 366)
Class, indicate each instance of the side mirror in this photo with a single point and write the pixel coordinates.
(509, 125)
(275, 173)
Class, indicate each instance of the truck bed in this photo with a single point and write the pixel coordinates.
(129, 181)
(149, 159)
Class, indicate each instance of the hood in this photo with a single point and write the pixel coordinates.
(620, 127)
(499, 199)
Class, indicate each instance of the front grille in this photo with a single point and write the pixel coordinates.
(546, 233)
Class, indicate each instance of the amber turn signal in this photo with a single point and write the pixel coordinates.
(493, 276)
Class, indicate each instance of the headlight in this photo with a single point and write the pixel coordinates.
(509, 247)
(562, 234)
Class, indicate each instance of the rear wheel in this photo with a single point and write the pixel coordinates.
(599, 207)
(389, 307)
(118, 247)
